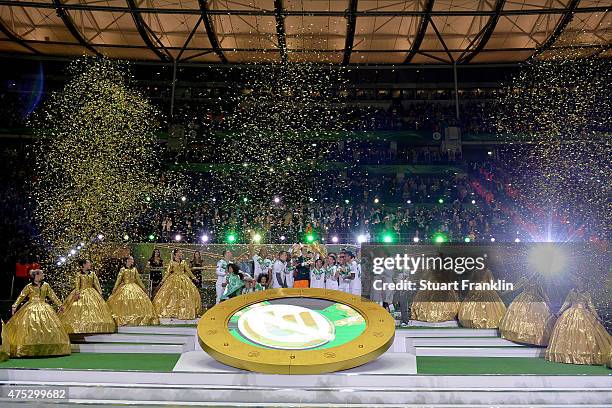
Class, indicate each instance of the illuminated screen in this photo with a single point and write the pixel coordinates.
(297, 324)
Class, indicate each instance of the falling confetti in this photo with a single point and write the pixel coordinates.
(96, 163)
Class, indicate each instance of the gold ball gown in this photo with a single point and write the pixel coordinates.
(578, 336)
(35, 330)
(5, 350)
(435, 305)
(129, 302)
(482, 309)
(89, 313)
(528, 319)
(178, 297)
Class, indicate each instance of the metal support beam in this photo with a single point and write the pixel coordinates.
(142, 29)
(315, 13)
(67, 20)
(13, 37)
(350, 31)
(191, 34)
(456, 90)
(450, 56)
(210, 30)
(280, 29)
(418, 39)
(488, 31)
(173, 89)
(568, 15)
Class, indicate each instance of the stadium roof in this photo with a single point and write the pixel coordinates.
(334, 31)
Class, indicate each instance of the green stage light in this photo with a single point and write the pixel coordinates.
(245, 199)
(440, 238)
(231, 238)
(387, 238)
(151, 237)
(467, 239)
(440, 200)
(310, 238)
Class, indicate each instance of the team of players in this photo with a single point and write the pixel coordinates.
(299, 268)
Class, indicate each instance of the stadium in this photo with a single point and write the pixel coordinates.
(208, 203)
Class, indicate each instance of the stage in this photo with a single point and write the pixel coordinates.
(432, 365)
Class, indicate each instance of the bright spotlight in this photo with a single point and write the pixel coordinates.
(178, 237)
(473, 201)
(277, 200)
(72, 251)
(204, 238)
(100, 237)
(409, 201)
(439, 238)
(440, 201)
(415, 239)
(547, 259)
(62, 259)
(492, 239)
(151, 237)
(467, 239)
(245, 199)
(335, 239)
(126, 237)
(346, 201)
(282, 238)
(361, 238)
(376, 200)
(256, 237)
(387, 238)
(231, 238)
(310, 238)
(517, 240)
(183, 198)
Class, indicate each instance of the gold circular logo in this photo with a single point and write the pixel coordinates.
(287, 327)
(296, 331)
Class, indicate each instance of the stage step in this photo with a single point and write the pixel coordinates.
(480, 351)
(447, 332)
(459, 341)
(133, 338)
(158, 330)
(337, 389)
(171, 322)
(128, 348)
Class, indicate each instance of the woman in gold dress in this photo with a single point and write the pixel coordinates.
(578, 336)
(35, 330)
(129, 302)
(85, 311)
(435, 305)
(178, 297)
(482, 309)
(528, 318)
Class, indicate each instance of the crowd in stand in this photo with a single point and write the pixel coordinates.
(406, 208)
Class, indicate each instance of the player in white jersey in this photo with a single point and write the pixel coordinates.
(317, 275)
(262, 264)
(355, 284)
(331, 272)
(344, 269)
(279, 270)
(222, 272)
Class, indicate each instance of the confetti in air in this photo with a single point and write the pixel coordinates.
(96, 163)
(560, 110)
